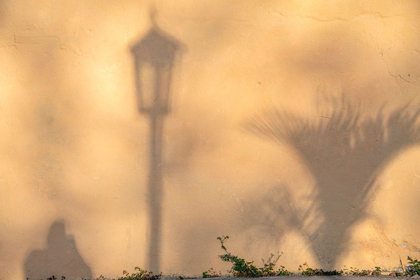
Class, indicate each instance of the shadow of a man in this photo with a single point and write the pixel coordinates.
(60, 258)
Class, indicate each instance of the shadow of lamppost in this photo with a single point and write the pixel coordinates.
(154, 57)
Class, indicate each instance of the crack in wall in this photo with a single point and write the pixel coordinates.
(396, 77)
(378, 15)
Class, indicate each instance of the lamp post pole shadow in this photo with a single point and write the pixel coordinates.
(155, 190)
(154, 57)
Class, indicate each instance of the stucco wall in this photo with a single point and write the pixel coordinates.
(292, 127)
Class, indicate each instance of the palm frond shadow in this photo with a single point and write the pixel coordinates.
(345, 152)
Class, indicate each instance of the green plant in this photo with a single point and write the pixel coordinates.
(54, 278)
(377, 271)
(304, 269)
(414, 267)
(179, 276)
(243, 268)
(240, 267)
(268, 268)
(211, 273)
(356, 272)
(140, 274)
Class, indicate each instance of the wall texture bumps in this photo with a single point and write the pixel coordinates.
(293, 126)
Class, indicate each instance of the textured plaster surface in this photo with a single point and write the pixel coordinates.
(292, 127)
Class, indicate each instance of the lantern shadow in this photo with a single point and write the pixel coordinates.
(59, 258)
(345, 152)
(154, 59)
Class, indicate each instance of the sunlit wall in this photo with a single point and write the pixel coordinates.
(292, 126)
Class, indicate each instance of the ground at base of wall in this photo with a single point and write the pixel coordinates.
(290, 277)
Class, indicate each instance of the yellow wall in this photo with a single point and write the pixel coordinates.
(287, 131)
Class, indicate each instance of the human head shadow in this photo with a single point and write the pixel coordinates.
(59, 258)
(345, 152)
(155, 56)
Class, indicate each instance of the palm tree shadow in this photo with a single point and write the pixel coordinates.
(345, 153)
(59, 258)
